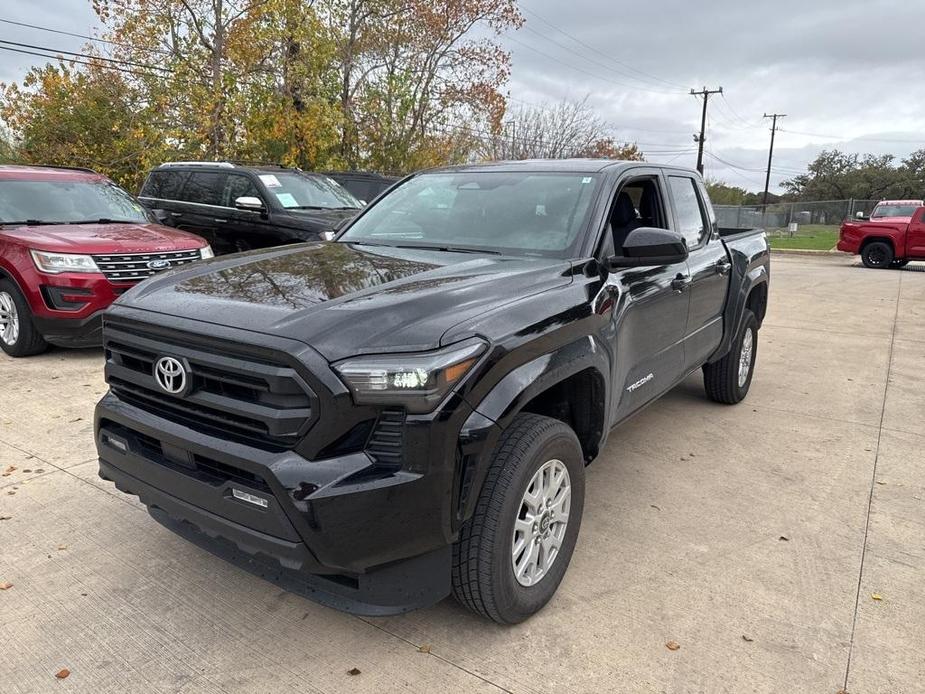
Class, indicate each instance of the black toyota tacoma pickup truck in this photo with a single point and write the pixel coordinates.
(407, 411)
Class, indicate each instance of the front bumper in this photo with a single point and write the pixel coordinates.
(71, 332)
(373, 546)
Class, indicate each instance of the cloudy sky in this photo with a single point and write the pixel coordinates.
(848, 73)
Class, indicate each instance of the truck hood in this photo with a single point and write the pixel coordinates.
(102, 238)
(346, 299)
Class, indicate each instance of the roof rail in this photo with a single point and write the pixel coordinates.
(244, 162)
(221, 164)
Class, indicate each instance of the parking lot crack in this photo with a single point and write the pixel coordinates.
(873, 483)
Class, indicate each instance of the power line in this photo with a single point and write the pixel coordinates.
(767, 179)
(582, 70)
(599, 52)
(590, 60)
(81, 62)
(705, 93)
(70, 33)
(848, 138)
(131, 63)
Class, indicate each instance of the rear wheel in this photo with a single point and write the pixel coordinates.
(513, 552)
(877, 255)
(18, 336)
(729, 379)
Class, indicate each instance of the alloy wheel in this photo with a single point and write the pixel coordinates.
(745, 356)
(9, 319)
(542, 519)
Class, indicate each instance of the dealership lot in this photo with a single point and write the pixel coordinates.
(737, 532)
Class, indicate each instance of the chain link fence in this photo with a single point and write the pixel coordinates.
(777, 218)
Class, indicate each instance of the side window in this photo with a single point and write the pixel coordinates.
(204, 188)
(164, 185)
(239, 186)
(638, 204)
(708, 206)
(691, 223)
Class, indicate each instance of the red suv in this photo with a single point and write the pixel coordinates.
(71, 241)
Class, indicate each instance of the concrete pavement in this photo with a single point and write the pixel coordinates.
(754, 536)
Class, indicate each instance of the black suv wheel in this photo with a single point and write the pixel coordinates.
(512, 554)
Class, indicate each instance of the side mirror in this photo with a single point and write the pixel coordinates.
(648, 246)
(249, 203)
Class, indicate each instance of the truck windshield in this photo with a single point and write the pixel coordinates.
(296, 191)
(524, 213)
(893, 211)
(67, 202)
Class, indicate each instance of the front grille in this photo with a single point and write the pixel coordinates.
(251, 399)
(132, 267)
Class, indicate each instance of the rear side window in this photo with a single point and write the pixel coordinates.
(204, 188)
(239, 186)
(165, 185)
(691, 223)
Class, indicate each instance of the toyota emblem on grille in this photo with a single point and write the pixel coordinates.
(170, 375)
(159, 264)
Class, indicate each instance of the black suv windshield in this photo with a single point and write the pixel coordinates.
(298, 191)
(520, 212)
(67, 202)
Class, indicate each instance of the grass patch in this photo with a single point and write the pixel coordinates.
(814, 237)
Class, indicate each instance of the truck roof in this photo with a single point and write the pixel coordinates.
(554, 165)
(918, 203)
(17, 172)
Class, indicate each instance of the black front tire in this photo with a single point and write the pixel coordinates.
(877, 255)
(483, 572)
(28, 341)
(725, 381)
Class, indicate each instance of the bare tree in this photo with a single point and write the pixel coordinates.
(556, 131)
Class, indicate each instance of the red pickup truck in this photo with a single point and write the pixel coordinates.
(894, 234)
(71, 241)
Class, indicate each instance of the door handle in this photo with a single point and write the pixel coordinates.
(176, 214)
(219, 220)
(723, 266)
(680, 283)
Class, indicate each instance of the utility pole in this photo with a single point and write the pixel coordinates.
(767, 178)
(705, 93)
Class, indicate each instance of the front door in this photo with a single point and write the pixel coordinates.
(650, 304)
(915, 237)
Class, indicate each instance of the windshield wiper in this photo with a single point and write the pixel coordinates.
(452, 249)
(107, 220)
(32, 222)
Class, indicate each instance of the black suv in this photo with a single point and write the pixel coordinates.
(238, 208)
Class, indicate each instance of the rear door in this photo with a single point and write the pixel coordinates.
(708, 264)
(162, 192)
(915, 237)
(201, 211)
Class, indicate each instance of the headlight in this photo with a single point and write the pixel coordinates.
(206, 252)
(418, 382)
(54, 263)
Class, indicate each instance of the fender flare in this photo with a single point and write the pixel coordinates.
(479, 435)
(735, 311)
